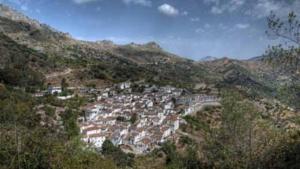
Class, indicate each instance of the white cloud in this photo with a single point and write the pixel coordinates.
(212, 1)
(223, 27)
(138, 2)
(185, 13)
(24, 8)
(235, 4)
(199, 30)
(218, 7)
(22, 4)
(168, 10)
(256, 8)
(263, 8)
(38, 11)
(195, 19)
(242, 26)
(83, 1)
(128, 2)
(203, 28)
(216, 10)
(207, 26)
(98, 8)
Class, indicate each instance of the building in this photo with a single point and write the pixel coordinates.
(54, 90)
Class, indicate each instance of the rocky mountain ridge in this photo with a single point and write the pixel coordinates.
(148, 62)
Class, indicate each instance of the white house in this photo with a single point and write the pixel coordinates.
(125, 85)
(137, 136)
(189, 110)
(174, 122)
(167, 89)
(144, 145)
(93, 112)
(116, 139)
(54, 90)
(169, 105)
(166, 131)
(86, 126)
(97, 140)
(93, 130)
(149, 103)
(65, 97)
(123, 131)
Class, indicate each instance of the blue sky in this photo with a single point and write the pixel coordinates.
(189, 28)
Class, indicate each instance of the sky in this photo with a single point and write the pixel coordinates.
(189, 28)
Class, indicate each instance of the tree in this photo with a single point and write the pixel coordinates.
(288, 29)
(69, 118)
(191, 161)
(64, 85)
(120, 158)
(134, 118)
(121, 118)
(232, 144)
(172, 157)
(108, 148)
(286, 59)
(286, 155)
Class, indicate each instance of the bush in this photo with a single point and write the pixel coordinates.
(120, 158)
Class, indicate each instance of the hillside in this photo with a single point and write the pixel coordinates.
(104, 62)
(20, 65)
(213, 113)
(102, 59)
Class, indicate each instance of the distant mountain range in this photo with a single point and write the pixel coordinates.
(208, 58)
(43, 50)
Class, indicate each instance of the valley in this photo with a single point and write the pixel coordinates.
(68, 103)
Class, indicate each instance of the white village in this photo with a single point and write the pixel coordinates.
(138, 122)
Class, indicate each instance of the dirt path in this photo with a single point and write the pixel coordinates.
(56, 74)
(197, 139)
(206, 104)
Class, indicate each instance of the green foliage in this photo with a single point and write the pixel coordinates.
(134, 118)
(25, 143)
(286, 155)
(196, 123)
(138, 88)
(121, 118)
(108, 148)
(285, 59)
(121, 159)
(19, 64)
(172, 157)
(290, 95)
(21, 77)
(186, 140)
(174, 160)
(69, 118)
(286, 29)
(191, 161)
(49, 111)
(64, 84)
(243, 136)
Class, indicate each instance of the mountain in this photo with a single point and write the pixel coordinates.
(257, 58)
(101, 60)
(20, 65)
(208, 58)
(43, 132)
(104, 61)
